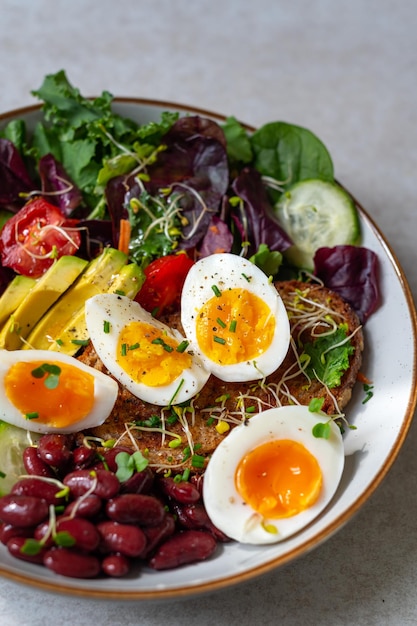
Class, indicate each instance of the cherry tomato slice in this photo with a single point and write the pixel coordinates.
(163, 283)
(35, 236)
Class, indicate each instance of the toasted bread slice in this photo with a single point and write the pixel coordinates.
(170, 436)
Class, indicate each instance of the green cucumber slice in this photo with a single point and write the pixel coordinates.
(316, 214)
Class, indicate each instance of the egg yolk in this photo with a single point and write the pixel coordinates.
(62, 403)
(279, 479)
(234, 326)
(150, 356)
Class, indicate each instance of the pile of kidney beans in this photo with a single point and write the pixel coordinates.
(97, 525)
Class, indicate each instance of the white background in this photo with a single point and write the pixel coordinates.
(348, 72)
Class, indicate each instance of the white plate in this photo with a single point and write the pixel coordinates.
(382, 425)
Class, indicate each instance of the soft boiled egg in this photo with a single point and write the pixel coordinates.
(271, 476)
(150, 359)
(234, 318)
(48, 392)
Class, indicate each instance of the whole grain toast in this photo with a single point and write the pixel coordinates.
(170, 436)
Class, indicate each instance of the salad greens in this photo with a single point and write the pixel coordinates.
(183, 183)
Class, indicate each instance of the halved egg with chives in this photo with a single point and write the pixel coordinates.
(234, 318)
(153, 361)
(271, 477)
(43, 392)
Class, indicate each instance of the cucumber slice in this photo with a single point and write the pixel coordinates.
(316, 214)
(13, 441)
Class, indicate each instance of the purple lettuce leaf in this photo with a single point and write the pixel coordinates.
(194, 164)
(218, 238)
(57, 186)
(352, 272)
(14, 177)
(262, 225)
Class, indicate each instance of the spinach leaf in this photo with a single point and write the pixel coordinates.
(238, 144)
(329, 357)
(289, 153)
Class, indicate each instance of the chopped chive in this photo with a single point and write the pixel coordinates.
(32, 416)
(124, 349)
(106, 326)
(59, 342)
(80, 342)
(197, 461)
(221, 323)
(186, 474)
(134, 346)
(219, 340)
(183, 346)
(210, 421)
(176, 392)
(248, 278)
(120, 292)
(216, 291)
(250, 409)
(160, 342)
(186, 453)
(232, 326)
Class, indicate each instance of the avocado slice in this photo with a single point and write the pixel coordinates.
(96, 278)
(41, 297)
(13, 296)
(127, 282)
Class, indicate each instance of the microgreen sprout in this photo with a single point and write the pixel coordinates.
(52, 373)
(128, 464)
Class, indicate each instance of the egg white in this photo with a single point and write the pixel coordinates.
(225, 506)
(105, 392)
(230, 271)
(120, 310)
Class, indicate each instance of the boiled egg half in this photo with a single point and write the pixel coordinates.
(270, 477)
(150, 359)
(234, 318)
(46, 392)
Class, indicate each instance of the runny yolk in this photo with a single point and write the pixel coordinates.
(69, 402)
(279, 479)
(150, 356)
(234, 326)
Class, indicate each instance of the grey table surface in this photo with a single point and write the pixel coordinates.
(347, 71)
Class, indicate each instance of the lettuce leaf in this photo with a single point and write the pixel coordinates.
(329, 357)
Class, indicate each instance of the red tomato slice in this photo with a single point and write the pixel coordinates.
(35, 236)
(163, 283)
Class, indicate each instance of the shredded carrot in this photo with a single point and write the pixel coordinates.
(124, 236)
(363, 379)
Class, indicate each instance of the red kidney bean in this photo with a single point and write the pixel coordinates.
(126, 539)
(38, 488)
(84, 533)
(55, 450)
(184, 492)
(22, 511)
(83, 457)
(115, 565)
(194, 516)
(69, 562)
(15, 546)
(135, 508)
(84, 506)
(42, 531)
(109, 456)
(103, 483)
(139, 482)
(7, 531)
(34, 465)
(187, 546)
(158, 533)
